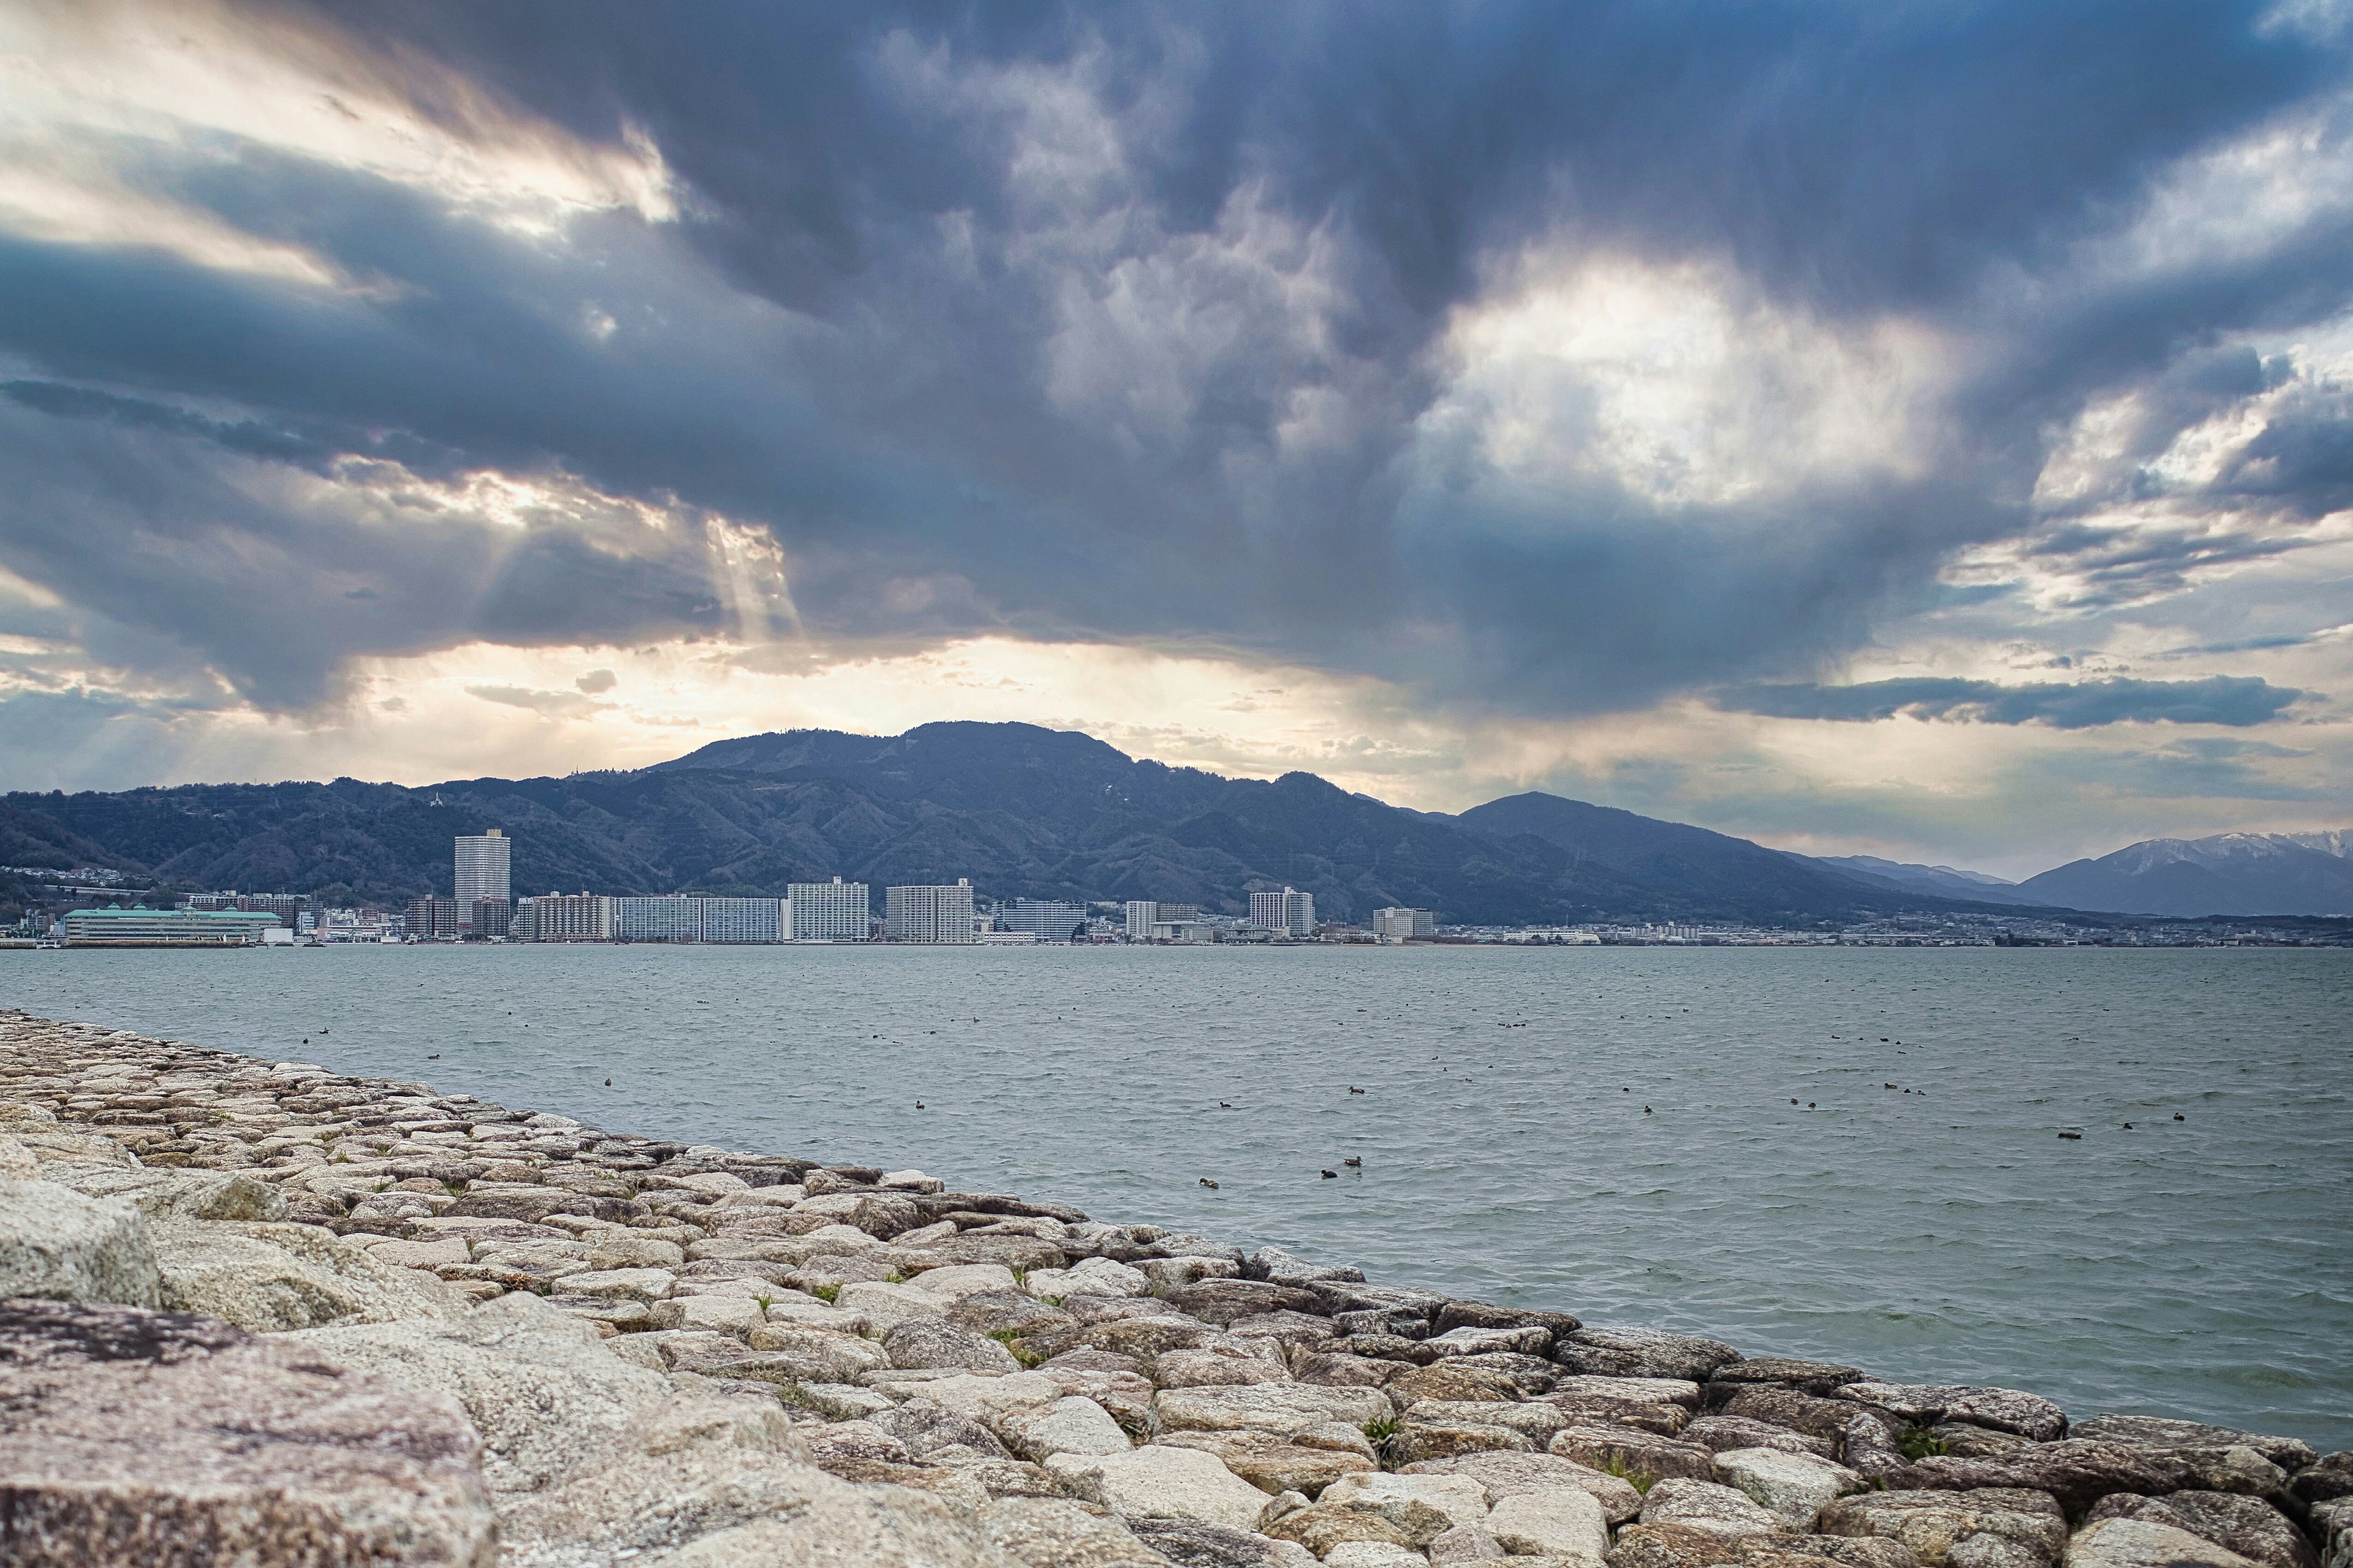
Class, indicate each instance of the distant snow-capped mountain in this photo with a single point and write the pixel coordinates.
(2228, 874)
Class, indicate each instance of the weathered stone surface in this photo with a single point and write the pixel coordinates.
(1042, 1534)
(273, 1278)
(1192, 1544)
(1558, 1524)
(2327, 1479)
(936, 1342)
(1410, 1502)
(539, 1386)
(1459, 1379)
(1816, 1377)
(2248, 1526)
(721, 1314)
(794, 1352)
(1417, 1442)
(60, 1245)
(1069, 1426)
(1719, 1433)
(1704, 1505)
(1505, 1474)
(177, 1194)
(1281, 1407)
(1620, 1448)
(1088, 1276)
(1619, 1352)
(1795, 1488)
(1935, 1524)
(2004, 1409)
(924, 1428)
(1532, 1339)
(954, 1281)
(1679, 1546)
(1779, 1407)
(1274, 1464)
(1215, 1369)
(1145, 1336)
(1008, 1312)
(1534, 1420)
(1221, 1301)
(1158, 1482)
(2076, 1472)
(1381, 1555)
(2140, 1543)
(1323, 1526)
(2291, 1454)
(172, 1441)
(846, 1526)
(886, 1305)
(1589, 1410)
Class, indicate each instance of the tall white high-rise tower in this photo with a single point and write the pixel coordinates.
(482, 864)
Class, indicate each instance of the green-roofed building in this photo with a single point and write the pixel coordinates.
(139, 926)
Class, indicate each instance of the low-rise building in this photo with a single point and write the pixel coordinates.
(140, 926)
(1395, 925)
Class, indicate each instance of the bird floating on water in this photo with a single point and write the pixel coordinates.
(1331, 1175)
(1352, 1160)
(608, 1083)
(434, 1058)
(919, 1105)
(1354, 1089)
(1208, 1184)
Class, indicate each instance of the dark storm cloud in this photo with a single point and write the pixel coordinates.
(1126, 322)
(2219, 699)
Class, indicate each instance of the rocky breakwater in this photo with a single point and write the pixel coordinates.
(262, 1313)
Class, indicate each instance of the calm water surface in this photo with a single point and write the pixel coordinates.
(1700, 1138)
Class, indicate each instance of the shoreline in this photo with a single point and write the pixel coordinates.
(1012, 1377)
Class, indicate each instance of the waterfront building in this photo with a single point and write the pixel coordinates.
(481, 867)
(288, 907)
(1395, 925)
(830, 911)
(672, 917)
(1184, 933)
(140, 926)
(1047, 919)
(1005, 937)
(1140, 914)
(564, 917)
(434, 919)
(1289, 912)
(489, 918)
(929, 912)
(745, 919)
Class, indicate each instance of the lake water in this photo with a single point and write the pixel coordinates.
(1701, 1138)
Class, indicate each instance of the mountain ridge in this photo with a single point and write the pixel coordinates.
(1022, 810)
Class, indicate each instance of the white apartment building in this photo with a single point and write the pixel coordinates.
(1289, 912)
(1402, 924)
(830, 911)
(1142, 914)
(934, 912)
(671, 918)
(482, 868)
(745, 919)
(564, 917)
(1047, 919)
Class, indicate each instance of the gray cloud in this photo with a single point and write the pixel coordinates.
(1129, 322)
(2219, 699)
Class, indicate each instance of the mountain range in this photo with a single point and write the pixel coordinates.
(1021, 810)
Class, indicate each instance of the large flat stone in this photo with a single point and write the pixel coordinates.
(2139, 1544)
(1925, 1404)
(1624, 1351)
(1506, 1474)
(274, 1277)
(539, 1386)
(1159, 1482)
(2248, 1526)
(1935, 1523)
(172, 1441)
(60, 1245)
(1794, 1486)
(1268, 1407)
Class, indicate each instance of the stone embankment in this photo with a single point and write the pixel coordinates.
(263, 1313)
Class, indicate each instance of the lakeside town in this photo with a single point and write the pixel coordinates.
(92, 906)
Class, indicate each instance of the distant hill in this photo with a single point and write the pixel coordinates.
(1022, 811)
(2229, 873)
(1731, 872)
(1946, 881)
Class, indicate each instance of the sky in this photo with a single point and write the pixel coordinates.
(1889, 428)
